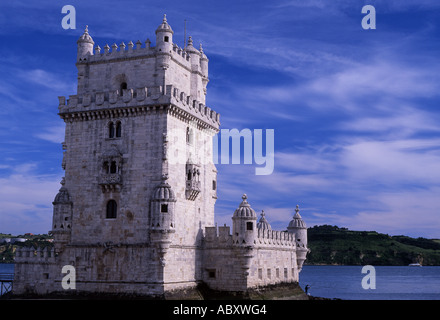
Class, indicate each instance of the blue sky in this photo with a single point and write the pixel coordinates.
(355, 112)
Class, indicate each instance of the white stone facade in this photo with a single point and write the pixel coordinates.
(135, 213)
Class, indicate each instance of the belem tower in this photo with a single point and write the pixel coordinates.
(135, 211)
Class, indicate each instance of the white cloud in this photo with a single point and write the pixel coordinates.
(26, 200)
(394, 162)
(47, 79)
(52, 134)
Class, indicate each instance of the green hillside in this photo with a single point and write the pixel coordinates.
(334, 245)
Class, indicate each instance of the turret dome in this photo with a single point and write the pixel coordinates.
(190, 47)
(262, 223)
(62, 195)
(297, 221)
(85, 37)
(164, 26)
(244, 209)
(163, 191)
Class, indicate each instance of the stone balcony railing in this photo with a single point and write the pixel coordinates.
(110, 181)
(193, 188)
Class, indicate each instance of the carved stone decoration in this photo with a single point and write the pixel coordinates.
(193, 185)
(113, 96)
(110, 178)
(86, 100)
(99, 99)
(141, 94)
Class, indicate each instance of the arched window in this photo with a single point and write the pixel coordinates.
(118, 129)
(111, 130)
(111, 209)
(122, 88)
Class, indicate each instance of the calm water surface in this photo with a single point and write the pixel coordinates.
(345, 282)
(392, 283)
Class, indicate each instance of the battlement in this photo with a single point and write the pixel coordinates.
(137, 50)
(35, 255)
(137, 97)
(263, 238)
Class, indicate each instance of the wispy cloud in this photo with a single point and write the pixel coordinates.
(26, 199)
(52, 134)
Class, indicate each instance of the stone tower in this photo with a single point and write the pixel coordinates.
(139, 183)
(135, 211)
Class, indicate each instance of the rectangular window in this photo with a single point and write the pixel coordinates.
(285, 273)
(211, 273)
(269, 273)
(278, 272)
(249, 226)
(214, 185)
(163, 208)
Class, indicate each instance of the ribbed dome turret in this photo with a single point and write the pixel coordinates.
(190, 48)
(164, 192)
(164, 26)
(244, 209)
(62, 196)
(85, 37)
(262, 223)
(297, 221)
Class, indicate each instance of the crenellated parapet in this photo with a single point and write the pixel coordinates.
(268, 239)
(129, 100)
(35, 255)
(275, 238)
(135, 51)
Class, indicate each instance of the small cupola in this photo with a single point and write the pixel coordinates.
(244, 224)
(244, 210)
(298, 227)
(164, 26)
(190, 47)
(164, 36)
(162, 207)
(262, 223)
(85, 45)
(297, 222)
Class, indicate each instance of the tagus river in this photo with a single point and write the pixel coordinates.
(392, 283)
(345, 282)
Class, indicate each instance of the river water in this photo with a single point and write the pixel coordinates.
(345, 282)
(391, 283)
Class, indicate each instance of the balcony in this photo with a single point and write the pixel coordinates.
(110, 182)
(192, 189)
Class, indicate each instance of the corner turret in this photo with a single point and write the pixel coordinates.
(298, 227)
(162, 218)
(85, 45)
(244, 224)
(164, 36)
(62, 218)
(204, 68)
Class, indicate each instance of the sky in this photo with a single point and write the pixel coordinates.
(355, 112)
